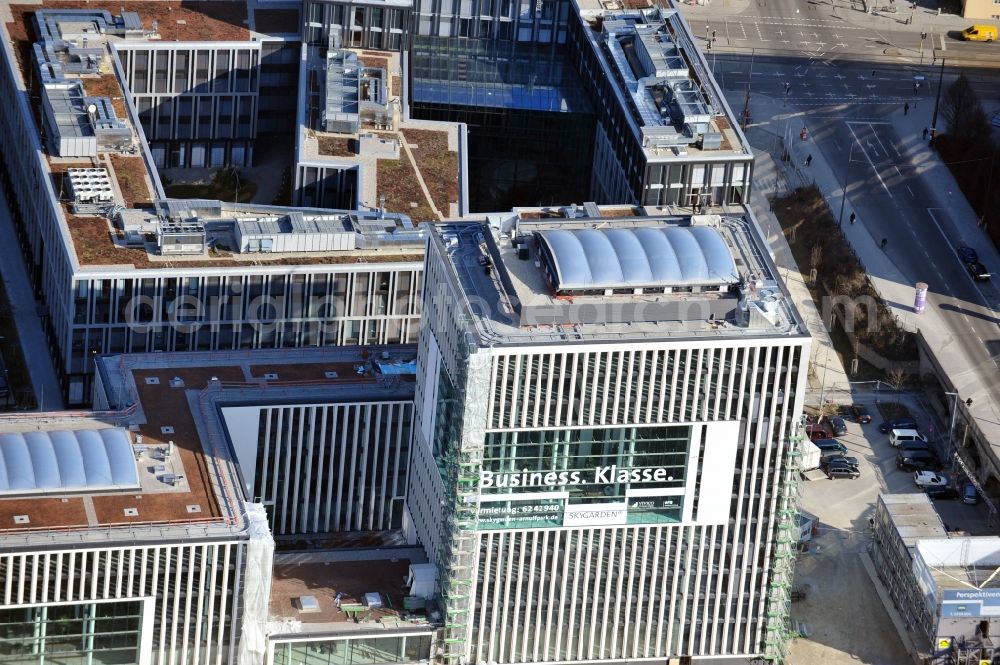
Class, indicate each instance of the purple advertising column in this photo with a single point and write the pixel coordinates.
(920, 297)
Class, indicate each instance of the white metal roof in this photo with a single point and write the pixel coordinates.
(646, 257)
(99, 459)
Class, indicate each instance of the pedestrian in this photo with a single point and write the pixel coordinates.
(809, 160)
(873, 73)
(853, 217)
(885, 241)
(906, 108)
(925, 133)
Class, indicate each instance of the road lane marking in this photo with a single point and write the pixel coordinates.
(870, 162)
(979, 292)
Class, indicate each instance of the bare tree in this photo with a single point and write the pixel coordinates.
(815, 256)
(895, 377)
(965, 119)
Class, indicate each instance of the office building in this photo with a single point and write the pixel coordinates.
(118, 268)
(123, 543)
(606, 414)
(666, 135)
(142, 533)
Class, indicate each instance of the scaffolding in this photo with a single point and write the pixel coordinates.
(900, 521)
(461, 468)
(785, 545)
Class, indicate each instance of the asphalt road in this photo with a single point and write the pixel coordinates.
(835, 29)
(815, 84)
(888, 193)
(848, 101)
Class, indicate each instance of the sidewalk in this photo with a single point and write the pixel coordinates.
(828, 370)
(956, 219)
(957, 222)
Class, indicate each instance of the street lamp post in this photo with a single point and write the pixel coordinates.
(937, 103)
(822, 386)
(951, 428)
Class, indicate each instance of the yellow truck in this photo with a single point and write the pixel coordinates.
(980, 33)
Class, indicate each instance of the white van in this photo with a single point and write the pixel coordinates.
(900, 436)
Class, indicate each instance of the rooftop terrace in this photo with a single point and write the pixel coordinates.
(168, 409)
(352, 116)
(91, 129)
(586, 276)
(176, 21)
(352, 591)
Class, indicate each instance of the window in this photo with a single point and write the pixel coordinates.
(160, 83)
(242, 71)
(141, 71)
(201, 71)
(84, 633)
(181, 64)
(221, 82)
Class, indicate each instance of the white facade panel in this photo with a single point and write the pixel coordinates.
(718, 468)
(332, 467)
(151, 598)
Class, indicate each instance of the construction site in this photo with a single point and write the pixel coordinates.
(945, 585)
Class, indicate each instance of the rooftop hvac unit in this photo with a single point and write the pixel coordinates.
(711, 141)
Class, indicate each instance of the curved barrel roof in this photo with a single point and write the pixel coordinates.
(644, 257)
(61, 460)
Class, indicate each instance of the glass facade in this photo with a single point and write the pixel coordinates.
(84, 634)
(632, 475)
(370, 651)
(507, 75)
(447, 419)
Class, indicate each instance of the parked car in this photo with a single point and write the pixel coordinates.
(969, 494)
(831, 446)
(916, 460)
(899, 436)
(833, 460)
(915, 445)
(842, 471)
(978, 271)
(939, 493)
(967, 254)
(861, 414)
(817, 431)
(897, 423)
(929, 479)
(837, 426)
